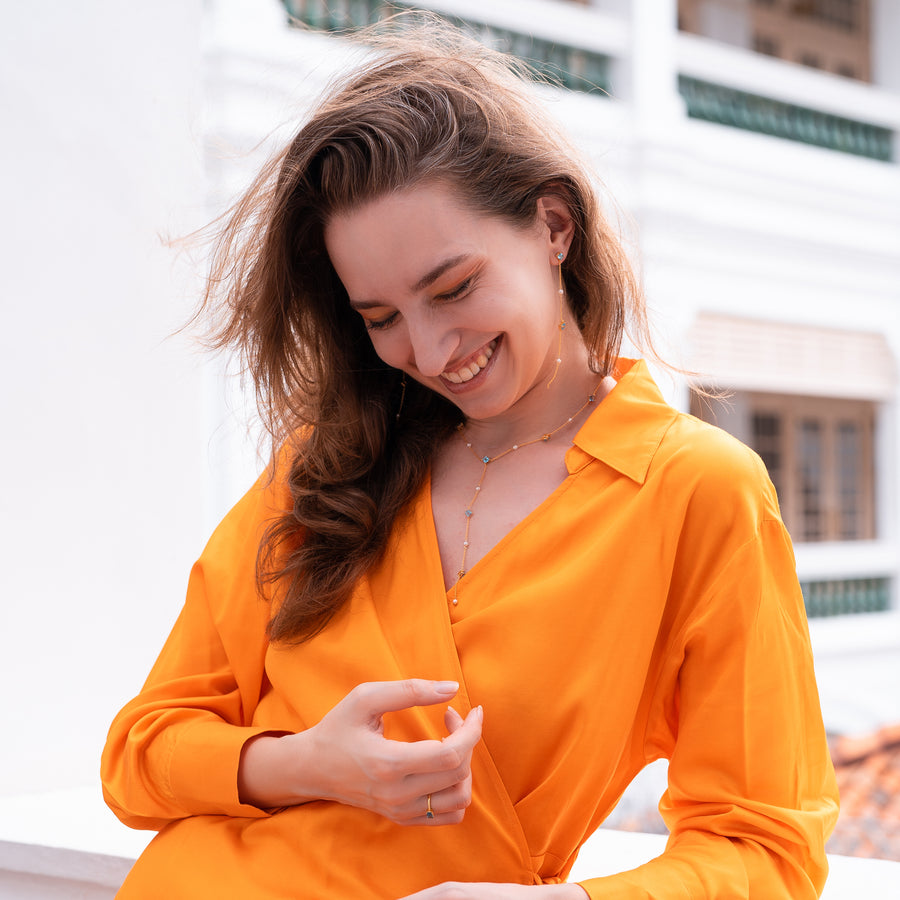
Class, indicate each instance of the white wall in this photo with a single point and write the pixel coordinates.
(102, 437)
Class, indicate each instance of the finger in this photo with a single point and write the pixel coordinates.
(426, 757)
(452, 719)
(374, 698)
(420, 785)
(453, 817)
(449, 804)
(445, 762)
(428, 766)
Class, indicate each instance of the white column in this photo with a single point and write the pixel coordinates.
(884, 32)
(652, 76)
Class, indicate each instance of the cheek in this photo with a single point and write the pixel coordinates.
(389, 347)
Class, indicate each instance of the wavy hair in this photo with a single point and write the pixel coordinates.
(437, 106)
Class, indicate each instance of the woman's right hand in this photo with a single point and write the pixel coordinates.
(346, 758)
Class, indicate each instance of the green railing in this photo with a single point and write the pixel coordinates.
(738, 109)
(569, 66)
(840, 598)
(577, 69)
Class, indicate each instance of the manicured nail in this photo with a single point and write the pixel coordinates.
(446, 687)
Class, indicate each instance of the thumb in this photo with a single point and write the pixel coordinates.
(374, 698)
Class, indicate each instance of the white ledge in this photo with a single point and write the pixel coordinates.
(743, 70)
(69, 838)
(837, 560)
(861, 634)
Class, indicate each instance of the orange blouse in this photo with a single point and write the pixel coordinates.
(648, 608)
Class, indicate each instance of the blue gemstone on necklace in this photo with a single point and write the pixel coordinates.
(468, 513)
(485, 459)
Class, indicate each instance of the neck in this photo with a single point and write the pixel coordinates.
(541, 410)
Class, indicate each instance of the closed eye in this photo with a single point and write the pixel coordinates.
(376, 324)
(459, 291)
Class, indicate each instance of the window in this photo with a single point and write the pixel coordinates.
(847, 15)
(819, 454)
(765, 45)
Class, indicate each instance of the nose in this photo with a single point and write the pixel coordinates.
(431, 345)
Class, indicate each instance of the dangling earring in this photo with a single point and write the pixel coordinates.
(562, 321)
(402, 396)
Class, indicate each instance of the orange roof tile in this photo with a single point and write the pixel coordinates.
(868, 774)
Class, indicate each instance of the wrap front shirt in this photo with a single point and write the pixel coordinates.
(648, 608)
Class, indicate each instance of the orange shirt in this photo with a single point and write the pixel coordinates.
(648, 608)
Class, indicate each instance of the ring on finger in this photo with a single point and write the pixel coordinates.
(429, 812)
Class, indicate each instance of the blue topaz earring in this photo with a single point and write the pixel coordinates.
(562, 322)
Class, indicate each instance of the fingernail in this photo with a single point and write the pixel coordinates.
(446, 687)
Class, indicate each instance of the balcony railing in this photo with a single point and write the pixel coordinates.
(738, 109)
(568, 66)
(580, 69)
(845, 597)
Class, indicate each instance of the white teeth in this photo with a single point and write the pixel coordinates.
(468, 372)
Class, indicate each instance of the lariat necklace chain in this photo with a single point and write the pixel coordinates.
(485, 462)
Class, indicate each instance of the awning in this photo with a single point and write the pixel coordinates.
(775, 357)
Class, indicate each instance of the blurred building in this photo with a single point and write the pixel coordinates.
(832, 35)
(753, 144)
(751, 148)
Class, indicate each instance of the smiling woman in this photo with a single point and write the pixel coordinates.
(488, 292)
(471, 499)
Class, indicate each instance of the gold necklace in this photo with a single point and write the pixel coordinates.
(485, 462)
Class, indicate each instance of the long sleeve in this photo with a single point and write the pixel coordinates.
(650, 607)
(751, 796)
(174, 750)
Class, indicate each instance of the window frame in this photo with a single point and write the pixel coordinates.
(737, 414)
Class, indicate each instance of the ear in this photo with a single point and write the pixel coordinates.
(554, 215)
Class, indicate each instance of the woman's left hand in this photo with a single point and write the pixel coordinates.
(486, 890)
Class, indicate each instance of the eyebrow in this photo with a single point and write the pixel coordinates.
(432, 276)
(425, 281)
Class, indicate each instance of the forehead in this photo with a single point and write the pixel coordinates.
(392, 237)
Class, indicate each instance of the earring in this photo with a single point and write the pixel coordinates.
(402, 396)
(562, 321)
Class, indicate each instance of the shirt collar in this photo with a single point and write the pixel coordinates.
(627, 427)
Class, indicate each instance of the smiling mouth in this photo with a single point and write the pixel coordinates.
(473, 367)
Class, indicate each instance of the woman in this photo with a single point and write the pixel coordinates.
(490, 574)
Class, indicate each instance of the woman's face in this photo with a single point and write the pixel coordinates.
(463, 302)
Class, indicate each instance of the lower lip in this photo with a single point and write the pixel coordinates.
(470, 385)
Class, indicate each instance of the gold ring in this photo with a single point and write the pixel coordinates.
(429, 813)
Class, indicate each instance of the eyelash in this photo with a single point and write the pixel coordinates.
(373, 325)
(456, 294)
(459, 291)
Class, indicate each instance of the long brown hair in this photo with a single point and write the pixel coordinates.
(438, 107)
